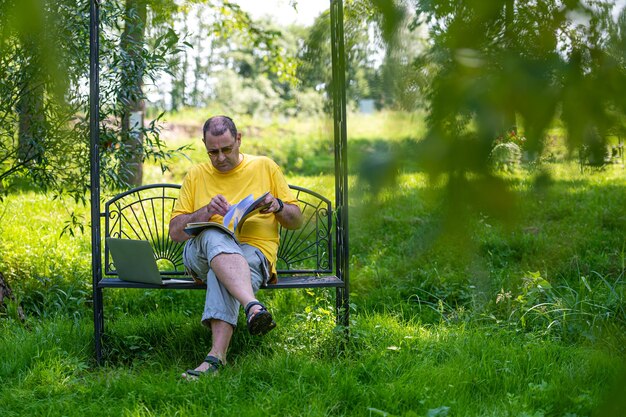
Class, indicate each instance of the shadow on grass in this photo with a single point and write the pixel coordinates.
(414, 251)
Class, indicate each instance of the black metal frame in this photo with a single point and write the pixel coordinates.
(341, 158)
(312, 242)
(143, 213)
(134, 215)
(341, 169)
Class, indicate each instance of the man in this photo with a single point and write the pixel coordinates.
(233, 270)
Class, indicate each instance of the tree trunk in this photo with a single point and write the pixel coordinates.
(198, 46)
(30, 106)
(178, 81)
(508, 120)
(131, 96)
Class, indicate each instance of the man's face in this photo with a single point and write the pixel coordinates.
(223, 150)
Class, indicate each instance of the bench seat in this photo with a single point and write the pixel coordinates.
(331, 281)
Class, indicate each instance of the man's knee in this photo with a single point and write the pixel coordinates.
(227, 258)
(211, 243)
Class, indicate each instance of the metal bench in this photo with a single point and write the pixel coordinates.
(610, 151)
(305, 256)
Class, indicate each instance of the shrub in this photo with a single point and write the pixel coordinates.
(506, 156)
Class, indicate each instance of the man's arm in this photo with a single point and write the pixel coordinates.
(290, 217)
(217, 205)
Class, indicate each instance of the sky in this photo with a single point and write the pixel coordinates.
(619, 5)
(308, 10)
(283, 12)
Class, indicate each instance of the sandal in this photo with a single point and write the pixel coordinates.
(261, 322)
(214, 366)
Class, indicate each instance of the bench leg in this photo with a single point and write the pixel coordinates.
(342, 307)
(98, 322)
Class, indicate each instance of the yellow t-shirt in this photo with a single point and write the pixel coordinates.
(254, 175)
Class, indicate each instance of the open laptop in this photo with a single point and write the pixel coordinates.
(134, 262)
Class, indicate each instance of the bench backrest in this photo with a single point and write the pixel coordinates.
(144, 213)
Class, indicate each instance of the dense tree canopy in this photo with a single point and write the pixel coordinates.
(44, 79)
(540, 60)
(478, 68)
(508, 65)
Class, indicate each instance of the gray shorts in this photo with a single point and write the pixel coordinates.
(197, 256)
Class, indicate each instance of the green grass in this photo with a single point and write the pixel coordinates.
(499, 316)
(388, 364)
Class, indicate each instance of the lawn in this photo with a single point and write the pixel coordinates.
(489, 316)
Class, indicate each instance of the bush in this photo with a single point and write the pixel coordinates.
(506, 156)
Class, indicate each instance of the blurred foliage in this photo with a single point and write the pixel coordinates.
(44, 82)
(505, 64)
(44, 135)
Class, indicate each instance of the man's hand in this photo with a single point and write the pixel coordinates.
(288, 215)
(273, 207)
(217, 205)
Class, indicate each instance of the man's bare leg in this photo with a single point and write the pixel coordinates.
(233, 271)
(221, 333)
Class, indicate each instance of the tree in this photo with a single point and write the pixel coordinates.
(372, 65)
(540, 60)
(30, 105)
(33, 83)
(43, 139)
(131, 91)
(315, 69)
(224, 40)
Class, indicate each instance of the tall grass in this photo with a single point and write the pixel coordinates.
(389, 366)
